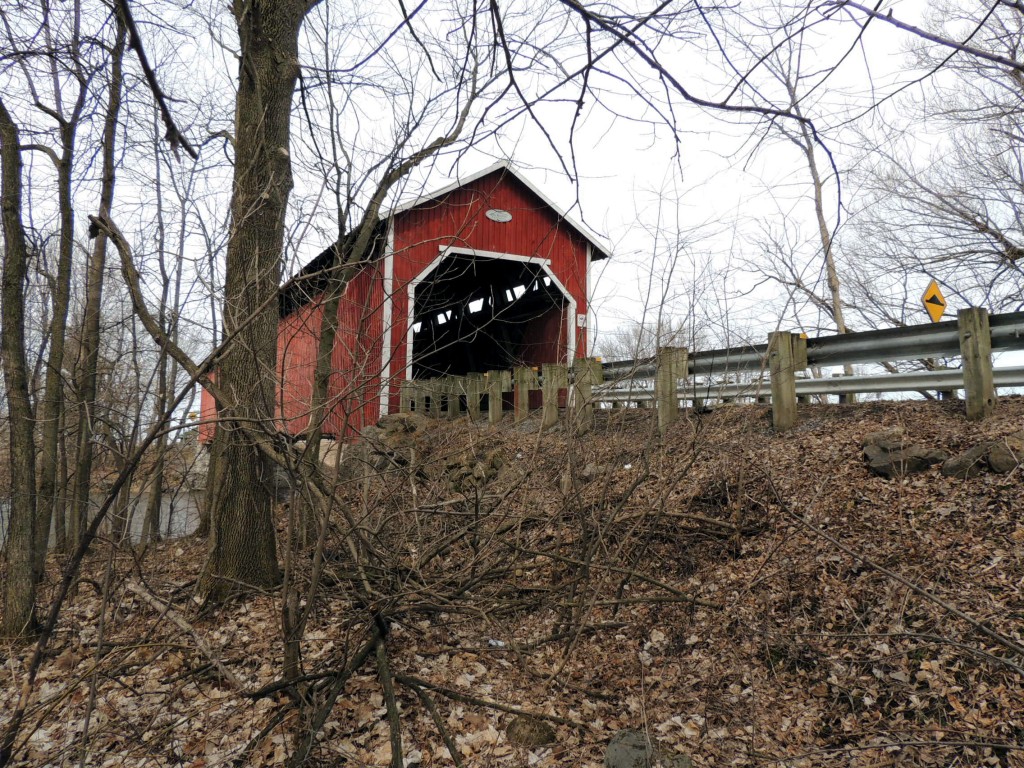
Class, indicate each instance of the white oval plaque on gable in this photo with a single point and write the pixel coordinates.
(498, 215)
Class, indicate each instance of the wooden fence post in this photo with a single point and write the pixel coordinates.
(524, 380)
(495, 402)
(976, 350)
(474, 391)
(671, 367)
(781, 361)
(404, 396)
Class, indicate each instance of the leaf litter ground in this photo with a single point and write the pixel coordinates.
(684, 586)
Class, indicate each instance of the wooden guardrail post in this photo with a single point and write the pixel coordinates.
(495, 390)
(586, 373)
(405, 396)
(802, 399)
(976, 350)
(556, 378)
(781, 362)
(671, 366)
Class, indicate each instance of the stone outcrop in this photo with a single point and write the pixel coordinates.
(889, 454)
(967, 464)
(1007, 454)
(999, 456)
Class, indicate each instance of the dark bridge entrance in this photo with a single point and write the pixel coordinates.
(474, 314)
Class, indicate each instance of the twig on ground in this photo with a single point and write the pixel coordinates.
(465, 698)
(442, 729)
(205, 648)
(387, 685)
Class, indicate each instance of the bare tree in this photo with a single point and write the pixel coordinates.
(19, 586)
(242, 547)
(90, 341)
(951, 212)
(638, 339)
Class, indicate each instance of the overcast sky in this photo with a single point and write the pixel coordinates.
(678, 206)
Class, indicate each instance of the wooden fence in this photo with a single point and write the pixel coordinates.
(554, 389)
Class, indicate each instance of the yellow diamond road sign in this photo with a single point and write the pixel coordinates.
(934, 302)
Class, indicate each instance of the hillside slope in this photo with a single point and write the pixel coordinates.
(743, 597)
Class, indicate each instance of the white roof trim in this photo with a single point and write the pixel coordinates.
(599, 243)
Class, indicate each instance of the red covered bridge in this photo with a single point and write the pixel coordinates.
(486, 273)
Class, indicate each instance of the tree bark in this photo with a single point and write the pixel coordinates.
(242, 542)
(151, 521)
(19, 586)
(53, 398)
(89, 356)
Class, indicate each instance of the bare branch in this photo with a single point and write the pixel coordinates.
(174, 136)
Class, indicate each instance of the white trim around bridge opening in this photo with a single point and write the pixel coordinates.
(446, 251)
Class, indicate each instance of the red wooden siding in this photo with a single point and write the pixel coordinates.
(458, 220)
(296, 359)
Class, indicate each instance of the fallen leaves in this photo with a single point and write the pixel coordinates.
(571, 606)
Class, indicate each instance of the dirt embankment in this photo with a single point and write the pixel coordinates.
(743, 597)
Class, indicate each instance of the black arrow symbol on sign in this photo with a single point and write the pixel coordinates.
(935, 300)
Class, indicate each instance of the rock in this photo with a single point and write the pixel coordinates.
(888, 440)
(874, 453)
(474, 470)
(372, 433)
(1000, 456)
(529, 732)
(1006, 454)
(628, 749)
(402, 423)
(632, 749)
(967, 464)
(900, 461)
(587, 475)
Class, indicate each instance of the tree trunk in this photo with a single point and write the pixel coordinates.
(242, 543)
(89, 356)
(824, 233)
(53, 398)
(831, 273)
(151, 520)
(58, 516)
(19, 586)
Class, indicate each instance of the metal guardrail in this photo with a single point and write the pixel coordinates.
(913, 381)
(885, 345)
